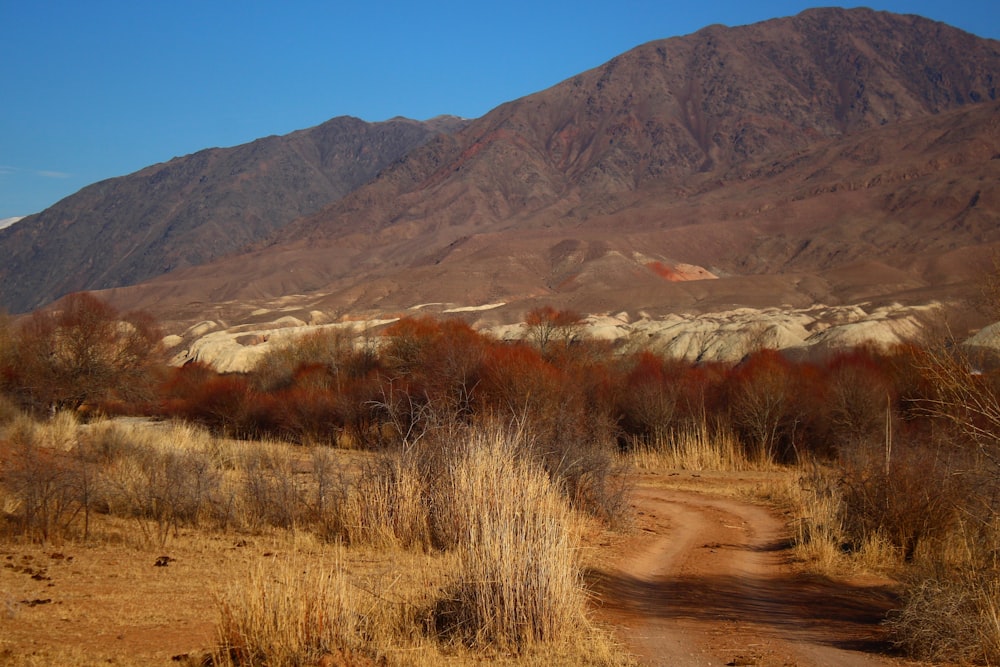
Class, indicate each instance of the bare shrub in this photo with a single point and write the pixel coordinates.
(432, 372)
(950, 616)
(762, 406)
(225, 405)
(548, 327)
(307, 389)
(37, 478)
(270, 494)
(648, 405)
(48, 477)
(326, 509)
(950, 609)
(576, 450)
(171, 489)
(331, 350)
(860, 396)
(160, 475)
(911, 497)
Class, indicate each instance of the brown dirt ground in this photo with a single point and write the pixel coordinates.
(705, 577)
(708, 578)
(112, 604)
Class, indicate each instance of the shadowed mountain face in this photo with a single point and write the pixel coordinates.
(832, 156)
(674, 117)
(195, 209)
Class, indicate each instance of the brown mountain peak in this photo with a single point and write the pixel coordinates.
(822, 157)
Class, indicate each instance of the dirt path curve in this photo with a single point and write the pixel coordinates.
(709, 582)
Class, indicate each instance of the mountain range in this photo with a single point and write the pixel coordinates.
(195, 209)
(835, 157)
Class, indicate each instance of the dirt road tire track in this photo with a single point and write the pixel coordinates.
(709, 581)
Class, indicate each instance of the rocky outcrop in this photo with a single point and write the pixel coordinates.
(722, 336)
(239, 349)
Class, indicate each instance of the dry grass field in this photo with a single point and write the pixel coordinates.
(511, 575)
(258, 575)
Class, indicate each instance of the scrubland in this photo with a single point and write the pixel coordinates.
(433, 495)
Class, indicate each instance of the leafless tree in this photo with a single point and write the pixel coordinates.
(82, 351)
(546, 326)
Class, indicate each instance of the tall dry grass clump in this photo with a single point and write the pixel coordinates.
(389, 506)
(518, 583)
(822, 529)
(287, 612)
(694, 446)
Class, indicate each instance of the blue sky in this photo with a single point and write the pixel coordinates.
(96, 89)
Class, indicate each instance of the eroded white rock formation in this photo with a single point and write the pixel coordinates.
(722, 336)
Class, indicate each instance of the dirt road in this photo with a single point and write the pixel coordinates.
(708, 581)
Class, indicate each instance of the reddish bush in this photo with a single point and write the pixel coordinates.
(82, 351)
(432, 368)
(765, 407)
(515, 378)
(223, 403)
(861, 396)
(648, 402)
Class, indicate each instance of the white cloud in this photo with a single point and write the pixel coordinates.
(6, 169)
(7, 222)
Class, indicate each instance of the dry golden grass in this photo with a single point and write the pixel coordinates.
(389, 506)
(695, 447)
(950, 618)
(951, 601)
(950, 587)
(809, 493)
(58, 433)
(387, 596)
(519, 581)
(293, 610)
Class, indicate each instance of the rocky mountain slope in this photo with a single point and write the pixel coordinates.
(670, 118)
(196, 208)
(832, 157)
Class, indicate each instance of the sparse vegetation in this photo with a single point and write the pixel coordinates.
(553, 330)
(913, 494)
(488, 455)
